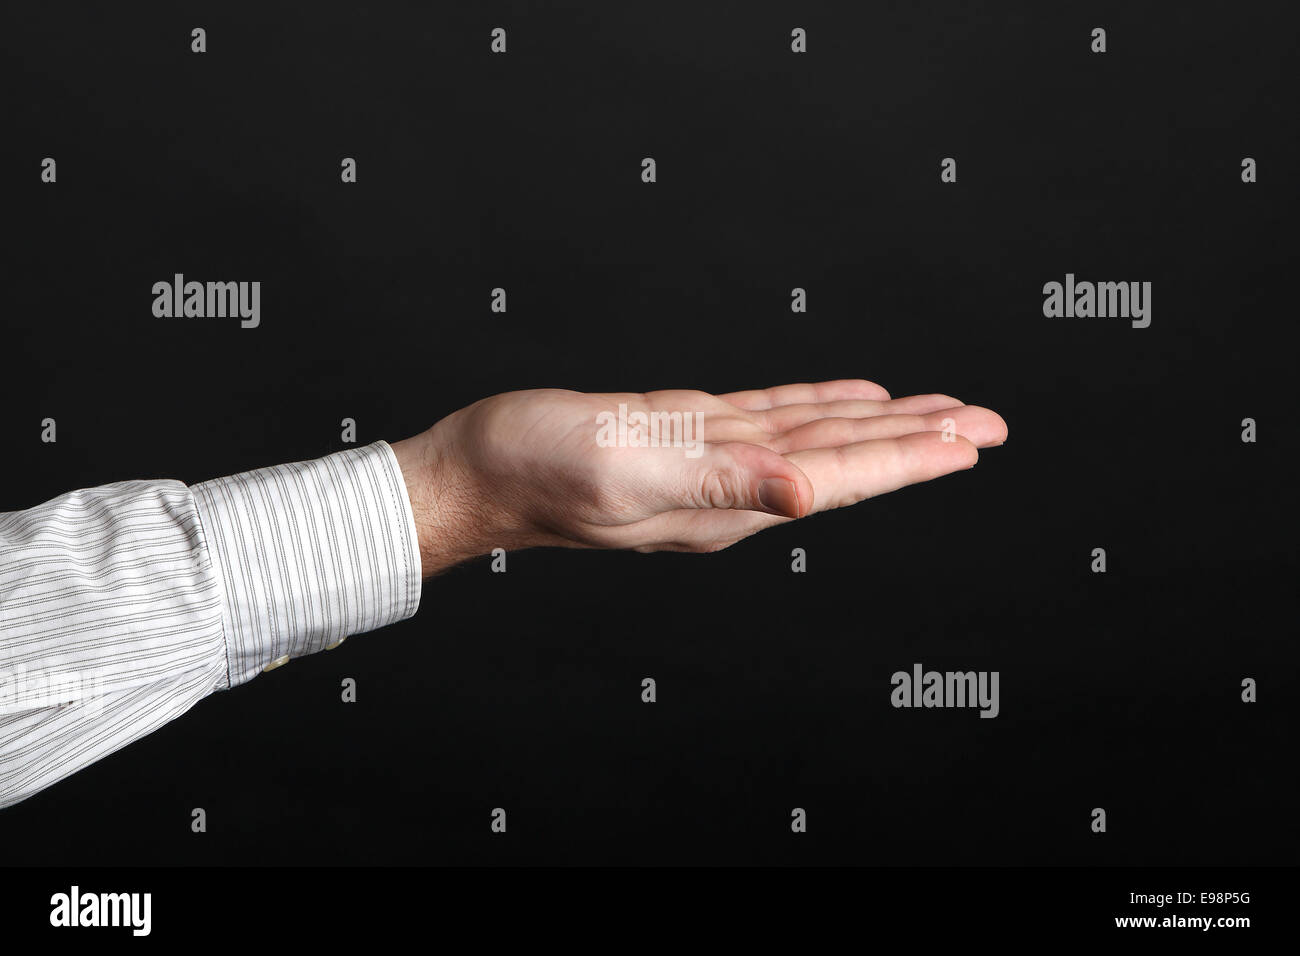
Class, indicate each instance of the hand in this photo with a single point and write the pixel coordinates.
(546, 467)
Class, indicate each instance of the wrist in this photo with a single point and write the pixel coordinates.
(446, 513)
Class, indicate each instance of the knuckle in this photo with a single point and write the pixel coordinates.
(718, 489)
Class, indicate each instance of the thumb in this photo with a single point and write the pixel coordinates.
(743, 476)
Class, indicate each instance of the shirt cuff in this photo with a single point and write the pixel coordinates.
(310, 553)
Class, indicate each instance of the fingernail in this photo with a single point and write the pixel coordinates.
(778, 495)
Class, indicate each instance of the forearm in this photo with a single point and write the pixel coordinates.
(123, 606)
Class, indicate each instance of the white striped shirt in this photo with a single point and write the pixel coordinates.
(123, 606)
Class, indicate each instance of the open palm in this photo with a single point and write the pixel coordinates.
(529, 468)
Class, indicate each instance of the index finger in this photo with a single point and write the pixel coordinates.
(843, 389)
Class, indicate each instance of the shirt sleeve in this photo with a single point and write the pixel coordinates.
(122, 606)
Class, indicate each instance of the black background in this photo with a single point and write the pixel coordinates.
(775, 170)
